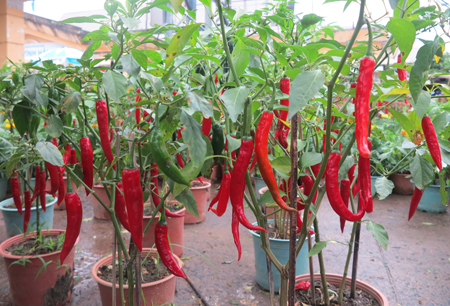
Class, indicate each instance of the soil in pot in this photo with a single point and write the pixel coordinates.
(173, 206)
(362, 298)
(28, 247)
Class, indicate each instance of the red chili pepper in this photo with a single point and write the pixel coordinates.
(238, 183)
(66, 156)
(119, 207)
(235, 231)
(364, 181)
(302, 286)
(134, 200)
(103, 125)
(27, 215)
(137, 113)
(345, 194)
(73, 157)
(61, 189)
(233, 153)
(402, 74)
(308, 183)
(417, 196)
(54, 178)
(155, 193)
(174, 93)
(432, 141)
(87, 162)
(362, 104)
(163, 247)
(216, 79)
(224, 194)
(74, 211)
(315, 169)
(206, 126)
(282, 138)
(42, 186)
(334, 196)
(351, 177)
(285, 87)
(262, 141)
(37, 183)
(179, 158)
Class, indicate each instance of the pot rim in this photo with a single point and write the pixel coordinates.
(19, 238)
(157, 216)
(109, 257)
(275, 239)
(432, 185)
(204, 186)
(3, 203)
(384, 301)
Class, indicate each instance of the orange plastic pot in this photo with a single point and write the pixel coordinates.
(175, 232)
(156, 293)
(99, 211)
(201, 198)
(48, 186)
(29, 287)
(205, 180)
(335, 279)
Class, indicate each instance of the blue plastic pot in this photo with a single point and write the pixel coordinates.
(14, 220)
(3, 187)
(259, 184)
(280, 248)
(431, 200)
(372, 181)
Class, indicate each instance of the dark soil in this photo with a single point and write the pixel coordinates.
(149, 209)
(362, 298)
(150, 272)
(274, 232)
(30, 247)
(196, 184)
(60, 292)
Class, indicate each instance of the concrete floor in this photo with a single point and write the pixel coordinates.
(414, 271)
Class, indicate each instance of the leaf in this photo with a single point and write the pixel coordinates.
(266, 198)
(310, 159)
(422, 104)
(207, 164)
(309, 20)
(233, 143)
(303, 88)
(50, 153)
(394, 3)
(21, 117)
(384, 187)
(156, 82)
(130, 65)
(115, 84)
(282, 165)
(140, 58)
(317, 248)
(130, 22)
(234, 100)
(240, 57)
(71, 102)
(404, 33)
(89, 52)
(178, 42)
(186, 197)
(440, 121)
(404, 122)
(54, 126)
(176, 5)
(422, 171)
(197, 102)
(192, 136)
(379, 233)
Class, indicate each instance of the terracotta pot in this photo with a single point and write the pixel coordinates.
(63, 203)
(216, 174)
(336, 279)
(99, 211)
(156, 293)
(200, 195)
(29, 286)
(176, 230)
(402, 184)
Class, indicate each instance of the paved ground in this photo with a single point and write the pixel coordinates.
(415, 270)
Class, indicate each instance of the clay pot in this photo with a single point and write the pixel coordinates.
(176, 230)
(216, 174)
(48, 186)
(29, 286)
(402, 183)
(156, 293)
(201, 196)
(336, 279)
(99, 211)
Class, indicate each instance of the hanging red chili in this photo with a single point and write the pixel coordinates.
(345, 194)
(37, 183)
(103, 125)
(66, 155)
(216, 79)
(27, 215)
(163, 247)
(155, 193)
(262, 142)
(119, 207)
(238, 183)
(224, 194)
(74, 211)
(417, 196)
(206, 126)
(432, 141)
(365, 182)
(315, 169)
(285, 87)
(351, 177)
(402, 74)
(87, 162)
(235, 231)
(15, 190)
(282, 138)
(134, 199)
(179, 158)
(73, 157)
(54, 178)
(137, 113)
(334, 196)
(62, 188)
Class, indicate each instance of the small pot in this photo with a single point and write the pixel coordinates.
(431, 200)
(335, 279)
(3, 188)
(156, 293)
(14, 220)
(99, 211)
(48, 186)
(205, 180)
(200, 195)
(402, 183)
(32, 287)
(176, 231)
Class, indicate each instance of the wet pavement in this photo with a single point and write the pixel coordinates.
(415, 270)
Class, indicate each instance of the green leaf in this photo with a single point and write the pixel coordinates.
(379, 233)
(156, 82)
(130, 22)
(384, 187)
(140, 58)
(404, 122)
(54, 126)
(310, 159)
(443, 188)
(130, 65)
(309, 20)
(240, 57)
(303, 88)
(22, 117)
(115, 84)
(176, 4)
(89, 52)
(197, 102)
(440, 121)
(282, 165)
(421, 23)
(412, 5)
(192, 136)
(394, 3)
(234, 100)
(317, 248)
(186, 197)
(50, 153)
(178, 42)
(81, 19)
(266, 198)
(422, 171)
(207, 165)
(71, 102)
(422, 104)
(404, 33)
(233, 143)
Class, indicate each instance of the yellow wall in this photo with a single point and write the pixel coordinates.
(12, 33)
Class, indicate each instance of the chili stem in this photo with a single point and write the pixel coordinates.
(322, 267)
(355, 261)
(347, 263)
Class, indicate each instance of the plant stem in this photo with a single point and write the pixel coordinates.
(326, 297)
(347, 263)
(355, 261)
(122, 294)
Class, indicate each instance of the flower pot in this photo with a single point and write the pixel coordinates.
(62, 206)
(205, 180)
(14, 220)
(155, 293)
(431, 200)
(99, 211)
(32, 287)
(176, 230)
(373, 178)
(259, 184)
(335, 279)
(402, 183)
(3, 188)
(200, 195)
(280, 248)
(216, 173)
